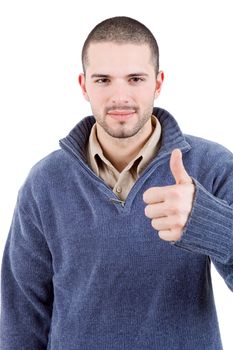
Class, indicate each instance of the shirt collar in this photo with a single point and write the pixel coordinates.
(147, 153)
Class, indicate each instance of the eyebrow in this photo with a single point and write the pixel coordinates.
(129, 75)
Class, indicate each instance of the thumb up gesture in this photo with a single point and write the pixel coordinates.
(169, 207)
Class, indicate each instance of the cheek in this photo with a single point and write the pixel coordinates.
(146, 92)
(96, 96)
(146, 97)
(97, 104)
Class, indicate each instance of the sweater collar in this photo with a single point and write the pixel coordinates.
(171, 136)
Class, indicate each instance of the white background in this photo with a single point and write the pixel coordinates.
(40, 43)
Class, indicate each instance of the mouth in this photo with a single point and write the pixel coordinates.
(121, 114)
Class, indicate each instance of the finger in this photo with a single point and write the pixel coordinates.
(170, 235)
(164, 223)
(177, 168)
(156, 210)
(156, 194)
(172, 222)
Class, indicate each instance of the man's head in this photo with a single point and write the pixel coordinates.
(122, 30)
(121, 77)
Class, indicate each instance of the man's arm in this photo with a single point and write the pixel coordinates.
(209, 230)
(196, 220)
(26, 286)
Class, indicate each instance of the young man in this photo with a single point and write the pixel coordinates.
(113, 234)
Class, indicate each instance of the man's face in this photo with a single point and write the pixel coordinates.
(121, 86)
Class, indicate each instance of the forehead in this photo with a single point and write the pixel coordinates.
(108, 56)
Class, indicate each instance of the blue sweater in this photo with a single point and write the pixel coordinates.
(84, 271)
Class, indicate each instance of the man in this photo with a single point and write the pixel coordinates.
(113, 234)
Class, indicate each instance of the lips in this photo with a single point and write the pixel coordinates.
(121, 114)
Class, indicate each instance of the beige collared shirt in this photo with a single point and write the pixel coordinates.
(122, 182)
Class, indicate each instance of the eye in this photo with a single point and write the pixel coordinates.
(102, 81)
(136, 79)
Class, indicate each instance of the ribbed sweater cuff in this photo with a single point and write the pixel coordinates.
(209, 229)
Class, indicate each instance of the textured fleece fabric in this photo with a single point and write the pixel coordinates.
(84, 271)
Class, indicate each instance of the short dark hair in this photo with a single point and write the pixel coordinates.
(121, 30)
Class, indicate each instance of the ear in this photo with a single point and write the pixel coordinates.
(82, 83)
(159, 83)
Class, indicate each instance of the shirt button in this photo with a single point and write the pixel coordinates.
(119, 189)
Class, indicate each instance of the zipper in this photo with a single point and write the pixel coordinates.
(114, 198)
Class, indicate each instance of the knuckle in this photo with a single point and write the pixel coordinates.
(154, 224)
(176, 234)
(146, 210)
(173, 210)
(161, 235)
(176, 194)
(179, 222)
(149, 211)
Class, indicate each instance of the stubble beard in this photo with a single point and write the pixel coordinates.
(122, 131)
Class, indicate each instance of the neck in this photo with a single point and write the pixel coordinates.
(120, 151)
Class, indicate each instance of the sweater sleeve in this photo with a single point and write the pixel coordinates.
(209, 229)
(26, 292)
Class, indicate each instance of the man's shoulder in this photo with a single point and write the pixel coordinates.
(208, 147)
(47, 171)
(51, 162)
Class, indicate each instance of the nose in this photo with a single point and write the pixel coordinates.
(120, 94)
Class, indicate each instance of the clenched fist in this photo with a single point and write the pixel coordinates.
(169, 207)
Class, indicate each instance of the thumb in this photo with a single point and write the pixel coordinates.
(177, 168)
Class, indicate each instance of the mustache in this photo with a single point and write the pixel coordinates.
(120, 108)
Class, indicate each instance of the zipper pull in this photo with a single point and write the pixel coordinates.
(114, 200)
